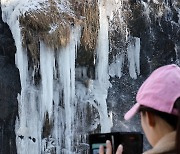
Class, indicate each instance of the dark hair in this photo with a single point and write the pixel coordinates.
(171, 119)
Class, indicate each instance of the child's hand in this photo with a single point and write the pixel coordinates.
(109, 148)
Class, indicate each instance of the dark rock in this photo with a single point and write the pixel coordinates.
(160, 45)
(9, 88)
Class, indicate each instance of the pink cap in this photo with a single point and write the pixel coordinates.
(159, 91)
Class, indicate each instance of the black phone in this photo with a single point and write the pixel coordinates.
(132, 142)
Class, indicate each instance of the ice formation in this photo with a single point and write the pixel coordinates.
(59, 99)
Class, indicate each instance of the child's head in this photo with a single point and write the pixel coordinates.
(158, 100)
(159, 91)
(156, 124)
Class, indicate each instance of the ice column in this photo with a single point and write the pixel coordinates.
(47, 65)
(66, 65)
(102, 69)
(115, 68)
(133, 52)
(27, 126)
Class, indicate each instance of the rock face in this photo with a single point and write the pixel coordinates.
(85, 83)
(157, 25)
(9, 89)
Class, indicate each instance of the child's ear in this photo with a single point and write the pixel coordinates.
(151, 119)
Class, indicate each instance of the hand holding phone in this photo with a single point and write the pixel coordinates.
(132, 143)
(109, 148)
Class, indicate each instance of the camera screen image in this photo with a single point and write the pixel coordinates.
(95, 147)
(132, 142)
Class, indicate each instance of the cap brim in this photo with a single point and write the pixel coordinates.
(132, 111)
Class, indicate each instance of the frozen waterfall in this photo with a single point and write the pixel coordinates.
(49, 112)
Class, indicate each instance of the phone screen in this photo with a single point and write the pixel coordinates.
(95, 147)
(96, 140)
(132, 142)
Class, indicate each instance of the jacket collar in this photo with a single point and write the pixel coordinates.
(165, 144)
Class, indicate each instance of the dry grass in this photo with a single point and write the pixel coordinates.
(41, 22)
(90, 11)
(38, 25)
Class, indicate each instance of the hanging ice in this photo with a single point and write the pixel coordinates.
(49, 111)
(115, 69)
(133, 52)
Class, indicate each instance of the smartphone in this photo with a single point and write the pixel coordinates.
(132, 142)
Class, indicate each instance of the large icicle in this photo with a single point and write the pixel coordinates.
(27, 126)
(66, 65)
(102, 69)
(47, 64)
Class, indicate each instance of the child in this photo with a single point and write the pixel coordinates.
(158, 101)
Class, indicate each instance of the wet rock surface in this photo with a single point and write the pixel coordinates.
(158, 27)
(9, 88)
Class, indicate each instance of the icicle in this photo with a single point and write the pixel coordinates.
(115, 69)
(47, 64)
(101, 88)
(66, 64)
(177, 50)
(133, 52)
(25, 125)
(178, 15)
